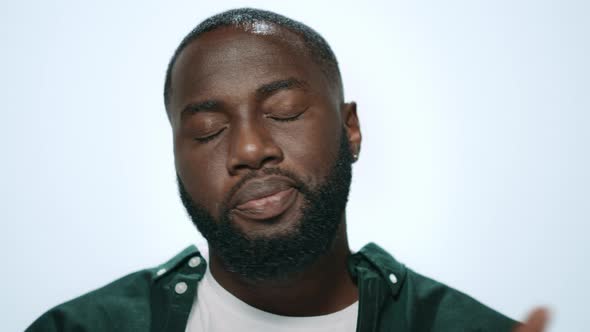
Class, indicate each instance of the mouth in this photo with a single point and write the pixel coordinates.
(269, 206)
(264, 199)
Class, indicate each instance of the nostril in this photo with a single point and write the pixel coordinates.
(270, 160)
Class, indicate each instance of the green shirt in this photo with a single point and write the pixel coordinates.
(392, 297)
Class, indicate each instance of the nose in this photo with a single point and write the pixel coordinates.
(252, 147)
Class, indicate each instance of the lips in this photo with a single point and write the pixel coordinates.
(264, 198)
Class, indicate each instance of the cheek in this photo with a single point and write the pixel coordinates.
(202, 174)
(312, 148)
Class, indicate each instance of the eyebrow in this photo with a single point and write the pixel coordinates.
(271, 88)
(207, 105)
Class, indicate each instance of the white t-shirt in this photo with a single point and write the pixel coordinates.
(217, 310)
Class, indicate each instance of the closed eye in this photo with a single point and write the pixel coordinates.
(286, 118)
(205, 139)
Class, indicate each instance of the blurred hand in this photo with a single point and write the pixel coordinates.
(536, 322)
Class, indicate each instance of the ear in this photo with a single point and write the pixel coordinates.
(352, 126)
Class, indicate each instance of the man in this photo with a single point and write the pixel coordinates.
(264, 145)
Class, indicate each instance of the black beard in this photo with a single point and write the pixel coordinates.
(277, 257)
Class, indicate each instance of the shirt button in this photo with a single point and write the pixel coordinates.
(160, 272)
(194, 262)
(180, 288)
(393, 278)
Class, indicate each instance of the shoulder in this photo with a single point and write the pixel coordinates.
(426, 304)
(438, 307)
(122, 305)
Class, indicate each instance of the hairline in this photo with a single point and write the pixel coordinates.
(330, 68)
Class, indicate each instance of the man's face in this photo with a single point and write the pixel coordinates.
(262, 151)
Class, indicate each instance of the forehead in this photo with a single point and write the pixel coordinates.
(232, 61)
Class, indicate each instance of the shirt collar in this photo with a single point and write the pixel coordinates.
(374, 258)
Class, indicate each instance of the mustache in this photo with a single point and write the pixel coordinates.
(224, 205)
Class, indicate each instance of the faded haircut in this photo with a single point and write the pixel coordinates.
(316, 45)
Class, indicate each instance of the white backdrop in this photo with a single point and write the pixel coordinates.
(474, 166)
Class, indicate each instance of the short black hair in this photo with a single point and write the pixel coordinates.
(317, 46)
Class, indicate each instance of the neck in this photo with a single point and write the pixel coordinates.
(323, 288)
